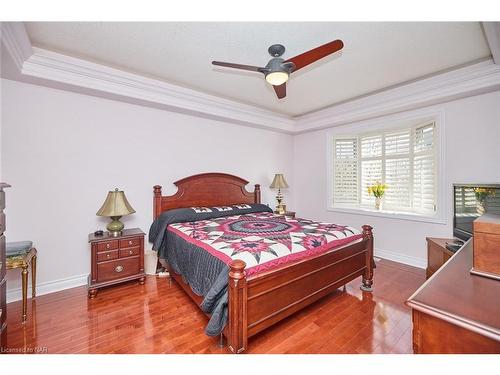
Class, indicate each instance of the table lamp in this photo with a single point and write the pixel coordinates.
(115, 206)
(279, 183)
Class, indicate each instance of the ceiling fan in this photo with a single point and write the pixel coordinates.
(278, 70)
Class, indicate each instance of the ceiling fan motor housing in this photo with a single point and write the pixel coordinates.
(278, 64)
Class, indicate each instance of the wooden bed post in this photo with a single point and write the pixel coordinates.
(237, 327)
(368, 275)
(257, 193)
(156, 201)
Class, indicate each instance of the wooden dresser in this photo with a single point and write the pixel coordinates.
(116, 259)
(3, 283)
(455, 311)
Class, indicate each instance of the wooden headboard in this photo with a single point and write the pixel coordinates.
(206, 189)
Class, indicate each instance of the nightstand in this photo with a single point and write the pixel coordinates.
(116, 259)
(290, 214)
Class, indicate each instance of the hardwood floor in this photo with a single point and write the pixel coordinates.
(159, 318)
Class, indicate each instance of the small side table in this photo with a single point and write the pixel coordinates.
(22, 255)
(290, 214)
(116, 259)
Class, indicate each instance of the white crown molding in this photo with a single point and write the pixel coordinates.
(62, 71)
(77, 72)
(16, 41)
(492, 33)
(470, 80)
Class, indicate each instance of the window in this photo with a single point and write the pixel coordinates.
(404, 159)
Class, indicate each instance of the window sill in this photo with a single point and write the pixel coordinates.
(435, 219)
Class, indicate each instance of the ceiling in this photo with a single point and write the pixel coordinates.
(375, 56)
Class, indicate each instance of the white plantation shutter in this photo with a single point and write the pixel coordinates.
(424, 138)
(397, 178)
(371, 172)
(405, 160)
(397, 170)
(371, 146)
(397, 143)
(423, 189)
(371, 165)
(345, 178)
(424, 170)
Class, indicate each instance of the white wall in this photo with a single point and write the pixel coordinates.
(472, 154)
(62, 152)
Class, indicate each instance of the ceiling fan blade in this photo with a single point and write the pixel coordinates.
(315, 54)
(280, 90)
(237, 66)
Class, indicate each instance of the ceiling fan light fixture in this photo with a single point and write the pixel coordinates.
(277, 78)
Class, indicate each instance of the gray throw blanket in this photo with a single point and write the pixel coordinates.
(206, 275)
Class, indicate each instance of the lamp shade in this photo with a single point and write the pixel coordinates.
(116, 204)
(279, 182)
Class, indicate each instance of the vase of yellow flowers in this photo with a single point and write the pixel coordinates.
(378, 191)
(481, 195)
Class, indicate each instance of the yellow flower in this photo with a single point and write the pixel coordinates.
(377, 189)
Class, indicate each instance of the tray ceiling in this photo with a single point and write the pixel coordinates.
(375, 56)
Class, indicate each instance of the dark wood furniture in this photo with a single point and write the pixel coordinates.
(261, 300)
(290, 214)
(116, 259)
(24, 260)
(487, 246)
(455, 311)
(3, 283)
(437, 254)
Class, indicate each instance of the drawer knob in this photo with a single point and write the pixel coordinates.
(130, 242)
(130, 252)
(107, 255)
(107, 246)
(118, 268)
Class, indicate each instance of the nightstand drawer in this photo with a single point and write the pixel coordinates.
(107, 255)
(130, 242)
(131, 251)
(116, 269)
(108, 245)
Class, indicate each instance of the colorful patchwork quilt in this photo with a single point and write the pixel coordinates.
(263, 240)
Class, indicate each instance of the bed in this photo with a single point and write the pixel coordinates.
(259, 295)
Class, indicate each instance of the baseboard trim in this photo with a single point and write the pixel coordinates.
(48, 287)
(401, 258)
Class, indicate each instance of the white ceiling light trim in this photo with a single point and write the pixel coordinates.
(78, 73)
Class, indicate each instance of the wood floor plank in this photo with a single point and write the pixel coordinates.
(159, 317)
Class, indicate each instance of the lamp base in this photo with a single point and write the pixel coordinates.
(115, 227)
(281, 209)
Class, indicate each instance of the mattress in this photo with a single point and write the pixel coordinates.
(264, 240)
